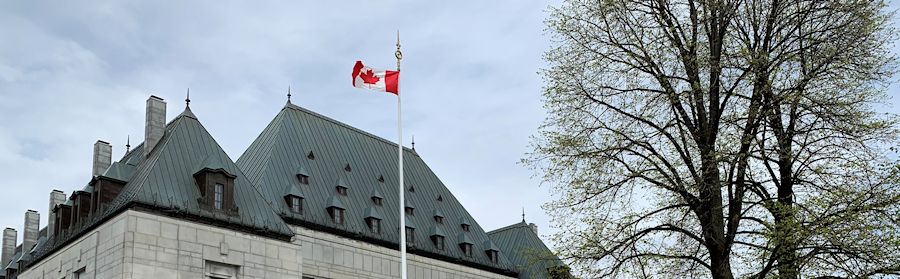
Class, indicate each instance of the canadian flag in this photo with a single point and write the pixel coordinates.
(378, 80)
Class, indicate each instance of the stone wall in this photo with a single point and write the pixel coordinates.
(142, 245)
(99, 253)
(330, 256)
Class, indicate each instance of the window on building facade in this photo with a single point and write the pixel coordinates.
(438, 242)
(217, 270)
(465, 227)
(466, 249)
(439, 219)
(296, 204)
(216, 187)
(337, 215)
(410, 236)
(377, 201)
(304, 179)
(410, 211)
(493, 255)
(219, 199)
(374, 225)
(78, 274)
(341, 190)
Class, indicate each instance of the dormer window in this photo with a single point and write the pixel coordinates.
(374, 225)
(295, 203)
(438, 242)
(493, 255)
(410, 236)
(216, 187)
(336, 210)
(341, 190)
(466, 249)
(219, 193)
(465, 227)
(377, 201)
(304, 179)
(438, 216)
(337, 215)
(410, 211)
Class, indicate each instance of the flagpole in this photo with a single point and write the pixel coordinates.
(399, 56)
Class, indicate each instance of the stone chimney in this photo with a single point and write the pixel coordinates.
(56, 197)
(102, 157)
(9, 246)
(155, 125)
(32, 228)
(533, 227)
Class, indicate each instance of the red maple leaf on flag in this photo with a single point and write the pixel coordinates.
(369, 77)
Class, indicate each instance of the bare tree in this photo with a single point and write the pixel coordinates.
(663, 116)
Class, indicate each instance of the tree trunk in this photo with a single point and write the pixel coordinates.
(784, 215)
(712, 218)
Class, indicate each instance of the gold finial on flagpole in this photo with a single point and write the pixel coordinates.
(398, 54)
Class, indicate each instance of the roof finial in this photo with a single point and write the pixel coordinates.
(414, 142)
(289, 94)
(187, 100)
(523, 214)
(128, 144)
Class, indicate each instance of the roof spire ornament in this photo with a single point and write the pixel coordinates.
(414, 142)
(128, 144)
(187, 100)
(289, 94)
(523, 214)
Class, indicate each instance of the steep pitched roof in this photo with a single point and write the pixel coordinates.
(526, 250)
(285, 146)
(165, 179)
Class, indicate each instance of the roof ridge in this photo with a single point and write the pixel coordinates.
(513, 226)
(152, 164)
(345, 125)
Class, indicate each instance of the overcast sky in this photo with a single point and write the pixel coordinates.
(72, 73)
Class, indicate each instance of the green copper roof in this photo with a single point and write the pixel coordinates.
(292, 190)
(119, 171)
(295, 133)
(373, 212)
(526, 250)
(165, 178)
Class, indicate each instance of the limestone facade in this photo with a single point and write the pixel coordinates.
(137, 244)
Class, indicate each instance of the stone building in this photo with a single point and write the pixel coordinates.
(310, 198)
